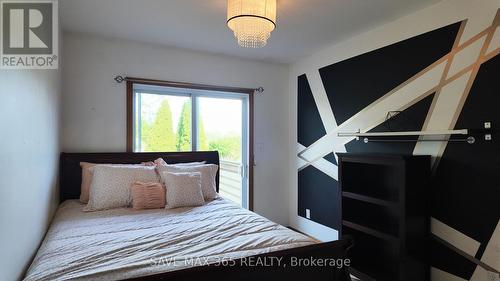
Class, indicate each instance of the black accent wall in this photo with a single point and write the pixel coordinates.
(319, 193)
(354, 83)
(465, 184)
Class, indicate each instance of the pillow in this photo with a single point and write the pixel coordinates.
(86, 181)
(161, 162)
(156, 162)
(111, 185)
(183, 189)
(208, 173)
(149, 195)
(189, 163)
(87, 178)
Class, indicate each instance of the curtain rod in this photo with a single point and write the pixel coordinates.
(120, 79)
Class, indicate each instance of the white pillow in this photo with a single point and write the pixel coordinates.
(111, 185)
(183, 189)
(208, 174)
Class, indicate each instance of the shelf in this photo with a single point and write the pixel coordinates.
(378, 181)
(371, 231)
(370, 199)
(373, 258)
(383, 207)
(376, 217)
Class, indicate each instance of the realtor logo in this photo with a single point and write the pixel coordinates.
(29, 37)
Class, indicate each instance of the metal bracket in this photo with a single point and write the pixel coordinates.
(119, 78)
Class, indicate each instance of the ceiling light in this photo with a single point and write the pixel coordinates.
(251, 21)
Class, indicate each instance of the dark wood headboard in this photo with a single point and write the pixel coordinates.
(70, 172)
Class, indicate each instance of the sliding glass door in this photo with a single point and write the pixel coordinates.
(222, 127)
(172, 119)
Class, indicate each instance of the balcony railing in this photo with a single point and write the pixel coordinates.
(230, 180)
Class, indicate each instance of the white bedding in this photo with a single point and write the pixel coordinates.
(124, 243)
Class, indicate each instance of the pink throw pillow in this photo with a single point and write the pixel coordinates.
(149, 195)
(86, 181)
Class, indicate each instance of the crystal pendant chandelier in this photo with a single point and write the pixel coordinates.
(251, 21)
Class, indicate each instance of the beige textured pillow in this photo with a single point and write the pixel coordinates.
(111, 185)
(183, 189)
(87, 177)
(208, 174)
(149, 195)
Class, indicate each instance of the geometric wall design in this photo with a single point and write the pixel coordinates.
(373, 74)
(412, 119)
(438, 82)
(310, 128)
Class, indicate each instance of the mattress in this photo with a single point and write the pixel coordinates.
(125, 243)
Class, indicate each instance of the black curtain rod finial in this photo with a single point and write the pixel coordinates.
(260, 90)
(119, 78)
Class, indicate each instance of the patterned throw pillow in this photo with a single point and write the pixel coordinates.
(111, 185)
(208, 174)
(183, 189)
(87, 177)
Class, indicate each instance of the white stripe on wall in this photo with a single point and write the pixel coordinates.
(466, 57)
(300, 148)
(495, 42)
(301, 163)
(491, 257)
(327, 167)
(477, 21)
(442, 117)
(454, 237)
(321, 100)
(439, 275)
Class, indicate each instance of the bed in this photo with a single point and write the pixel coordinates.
(219, 240)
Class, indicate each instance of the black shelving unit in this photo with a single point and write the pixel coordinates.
(384, 208)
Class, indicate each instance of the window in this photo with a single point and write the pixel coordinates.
(169, 119)
(162, 123)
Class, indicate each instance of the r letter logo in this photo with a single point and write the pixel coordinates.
(29, 35)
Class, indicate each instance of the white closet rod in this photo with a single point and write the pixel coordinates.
(407, 133)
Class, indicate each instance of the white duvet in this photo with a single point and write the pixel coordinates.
(123, 243)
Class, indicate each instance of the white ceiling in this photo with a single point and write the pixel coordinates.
(303, 26)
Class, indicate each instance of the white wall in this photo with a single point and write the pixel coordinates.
(479, 15)
(93, 108)
(29, 156)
